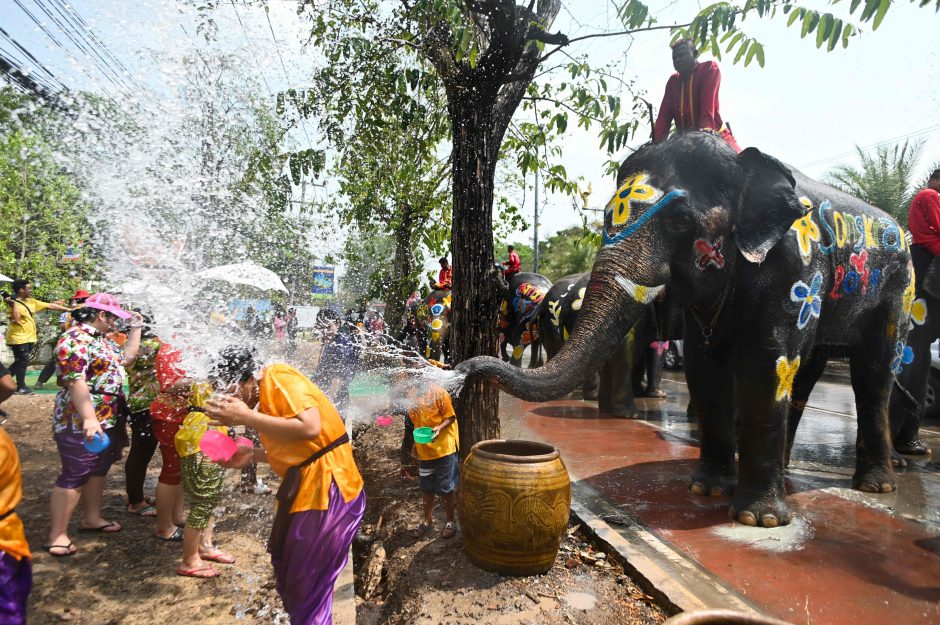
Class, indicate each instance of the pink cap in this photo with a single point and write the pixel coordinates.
(107, 303)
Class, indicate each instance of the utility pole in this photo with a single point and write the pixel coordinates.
(535, 236)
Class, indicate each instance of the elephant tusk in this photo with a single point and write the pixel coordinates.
(639, 293)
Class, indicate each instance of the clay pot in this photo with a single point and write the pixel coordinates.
(722, 617)
(514, 501)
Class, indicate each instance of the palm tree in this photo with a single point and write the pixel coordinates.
(885, 178)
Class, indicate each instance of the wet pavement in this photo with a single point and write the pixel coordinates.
(848, 556)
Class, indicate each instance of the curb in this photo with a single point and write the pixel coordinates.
(344, 595)
(678, 583)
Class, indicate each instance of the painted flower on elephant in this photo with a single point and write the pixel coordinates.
(709, 253)
(919, 311)
(634, 189)
(576, 304)
(806, 232)
(640, 293)
(807, 295)
(554, 308)
(786, 372)
(903, 355)
(907, 302)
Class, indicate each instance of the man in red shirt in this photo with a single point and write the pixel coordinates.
(513, 265)
(445, 277)
(691, 98)
(924, 225)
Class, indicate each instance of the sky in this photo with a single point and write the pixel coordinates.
(807, 107)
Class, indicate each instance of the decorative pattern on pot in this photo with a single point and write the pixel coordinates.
(514, 501)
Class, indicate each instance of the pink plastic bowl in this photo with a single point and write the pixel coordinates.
(241, 441)
(384, 420)
(217, 446)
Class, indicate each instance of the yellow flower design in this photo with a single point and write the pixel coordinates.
(806, 232)
(907, 303)
(555, 309)
(807, 203)
(786, 372)
(919, 311)
(634, 189)
(576, 304)
(446, 301)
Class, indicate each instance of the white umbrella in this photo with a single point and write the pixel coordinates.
(3, 278)
(245, 273)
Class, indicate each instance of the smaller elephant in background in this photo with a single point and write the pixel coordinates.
(433, 315)
(518, 314)
(613, 384)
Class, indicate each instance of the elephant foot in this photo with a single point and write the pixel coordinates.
(710, 481)
(590, 394)
(760, 510)
(897, 460)
(875, 480)
(624, 412)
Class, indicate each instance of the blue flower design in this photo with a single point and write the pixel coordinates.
(903, 355)
(807, 295)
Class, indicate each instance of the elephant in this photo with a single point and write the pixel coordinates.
(433, 315)
(776, 272)
(618, 381)
(909, 399)
(518, 310)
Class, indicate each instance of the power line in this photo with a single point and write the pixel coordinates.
(248, 41)
(909, 135)
(303, 125)
(27, 53)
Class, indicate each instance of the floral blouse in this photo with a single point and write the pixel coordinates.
(83, 353)
(142, 377)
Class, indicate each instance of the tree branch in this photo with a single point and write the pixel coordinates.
(615, 34)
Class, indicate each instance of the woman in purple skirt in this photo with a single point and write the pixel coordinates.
(16, 571)
(321, 501)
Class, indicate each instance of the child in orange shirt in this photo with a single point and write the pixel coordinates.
(437, 461)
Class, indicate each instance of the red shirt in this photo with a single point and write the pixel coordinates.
(168, 406)
(692, 101)
(445, 277)
(514, 264)
(924, 220)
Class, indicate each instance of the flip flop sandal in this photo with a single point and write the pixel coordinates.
(449, 531)
(70, 550)
(175, 537)
(420, 531)
(102, 528)
(218, 556)
(204, 572)
(148, 510)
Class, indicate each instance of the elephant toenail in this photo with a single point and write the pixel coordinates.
(868, 488)
(698, 488)
(769, 520)
(887, 488)
(747, 518)
(716, 491)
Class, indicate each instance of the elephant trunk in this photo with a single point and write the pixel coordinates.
(612, 305)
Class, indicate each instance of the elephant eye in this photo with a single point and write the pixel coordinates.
(680, 217)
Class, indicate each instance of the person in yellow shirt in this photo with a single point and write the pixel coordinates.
(321, 500)
(21, 331)
(16, 573)
(429, 405)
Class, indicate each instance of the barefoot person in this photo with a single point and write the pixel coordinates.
(203, 481)
(320, 501)
(92, 403)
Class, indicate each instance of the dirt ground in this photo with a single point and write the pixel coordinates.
(429, 581)
(129, 578)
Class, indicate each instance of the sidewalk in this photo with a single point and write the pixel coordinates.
(848, 557)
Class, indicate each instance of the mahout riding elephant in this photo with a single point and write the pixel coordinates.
(518, 309)
(433, 314)
(776, 272)
(612, 384)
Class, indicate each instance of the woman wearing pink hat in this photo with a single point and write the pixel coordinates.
(91, 403)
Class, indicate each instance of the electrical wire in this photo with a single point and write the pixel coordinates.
(248, 41)
(909, 135)
(303, 125)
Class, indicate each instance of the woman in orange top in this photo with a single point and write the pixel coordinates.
(15, 559)
(320, 501)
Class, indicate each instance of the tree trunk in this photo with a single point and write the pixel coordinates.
(403, 281)
(473, 329)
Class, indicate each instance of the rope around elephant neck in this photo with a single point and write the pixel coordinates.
(708, 330)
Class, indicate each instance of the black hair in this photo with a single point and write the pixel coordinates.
(18, 284)
(935, 175)
(442, 259)
(234, 364)
(685, 42)
(85, 314)
(511, 248)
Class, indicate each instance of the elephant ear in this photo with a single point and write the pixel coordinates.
(768, 205)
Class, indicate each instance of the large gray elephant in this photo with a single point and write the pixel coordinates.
(777, 272)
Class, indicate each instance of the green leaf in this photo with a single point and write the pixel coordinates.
(807, 24)
(760, 54)
(834, 38)
(846, 33)
(750, 53)
(822, 32)
(794, 16)
(741, 51)
(880, 15)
